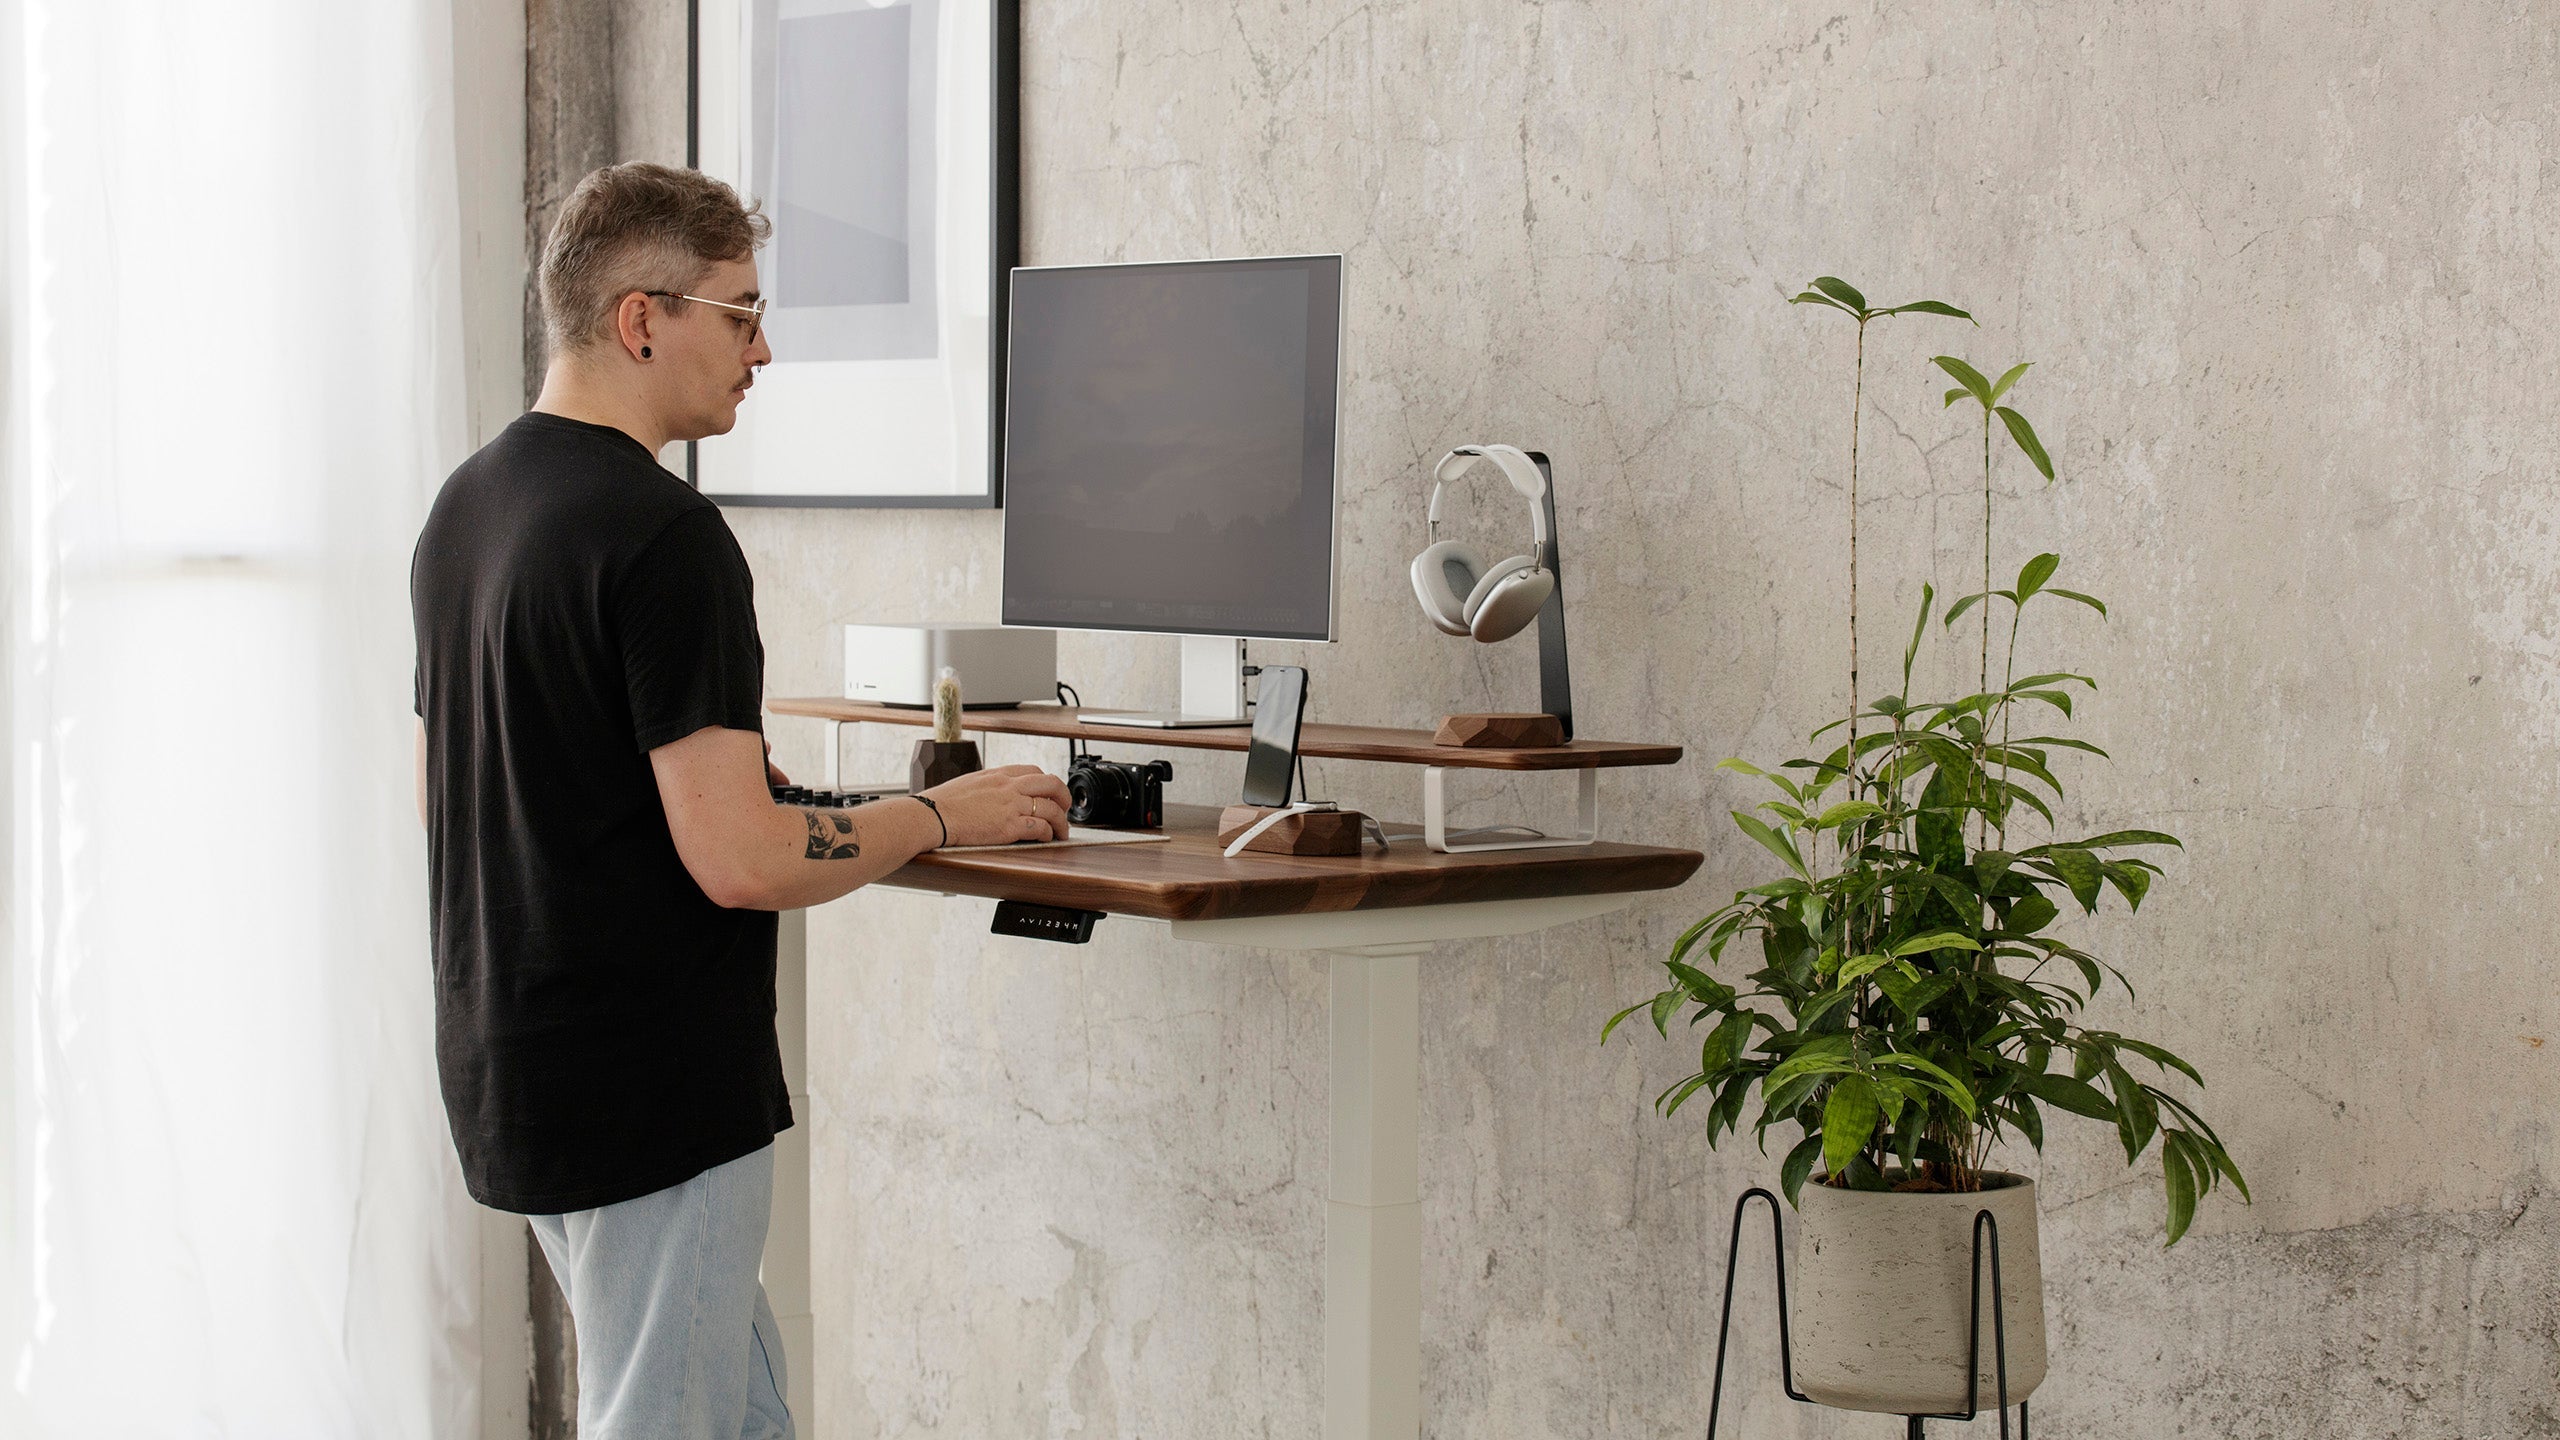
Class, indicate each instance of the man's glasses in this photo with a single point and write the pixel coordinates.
(755, 325)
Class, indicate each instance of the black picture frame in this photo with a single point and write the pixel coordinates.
(1003, 173)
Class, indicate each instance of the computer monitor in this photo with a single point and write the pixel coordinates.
(1170, 447)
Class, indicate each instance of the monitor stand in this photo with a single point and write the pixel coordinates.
(1212, 689)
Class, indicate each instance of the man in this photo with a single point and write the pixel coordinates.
(605, 853)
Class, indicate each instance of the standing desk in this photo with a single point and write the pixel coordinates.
(1373, 916)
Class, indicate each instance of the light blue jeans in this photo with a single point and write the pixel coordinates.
(675, 1338)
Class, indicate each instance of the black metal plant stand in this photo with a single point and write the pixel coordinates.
(1983, 1226)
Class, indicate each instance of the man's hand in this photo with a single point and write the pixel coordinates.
(1003, 805)
(748, 853)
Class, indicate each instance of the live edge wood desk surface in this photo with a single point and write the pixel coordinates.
(1187, 878)
(1372, 916)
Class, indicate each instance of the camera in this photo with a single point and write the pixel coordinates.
(1117, 796)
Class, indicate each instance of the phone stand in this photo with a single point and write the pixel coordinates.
(1294, 830)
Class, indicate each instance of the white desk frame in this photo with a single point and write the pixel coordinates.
(1373, 1194)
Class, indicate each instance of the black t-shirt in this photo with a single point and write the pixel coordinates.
(603, 1030)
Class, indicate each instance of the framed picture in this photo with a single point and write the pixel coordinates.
(881, 137)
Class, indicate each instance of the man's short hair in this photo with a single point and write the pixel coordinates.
(637, 227)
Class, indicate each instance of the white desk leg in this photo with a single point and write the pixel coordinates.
(1373, 1211)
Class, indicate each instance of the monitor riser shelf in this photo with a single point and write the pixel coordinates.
(1376, 744)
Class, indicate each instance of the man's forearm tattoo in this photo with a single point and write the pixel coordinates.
(831, 835)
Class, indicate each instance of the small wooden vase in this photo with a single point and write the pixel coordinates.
(1309, 832)
(940, 760)
(1500, 732)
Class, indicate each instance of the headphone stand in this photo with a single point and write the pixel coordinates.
(1552, 722)
(1555, 698)
(1555, 671)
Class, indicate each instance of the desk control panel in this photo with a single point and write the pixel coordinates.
(1044, 922)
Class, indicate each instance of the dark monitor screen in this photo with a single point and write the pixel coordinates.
(1169, 447)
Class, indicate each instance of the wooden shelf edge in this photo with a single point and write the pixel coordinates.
(1144, 900)
(1374, 743)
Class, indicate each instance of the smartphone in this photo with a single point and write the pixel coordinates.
(1278, 706)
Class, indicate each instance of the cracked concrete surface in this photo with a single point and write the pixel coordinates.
(2282, 269)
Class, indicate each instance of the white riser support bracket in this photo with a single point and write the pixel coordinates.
(1435, 817)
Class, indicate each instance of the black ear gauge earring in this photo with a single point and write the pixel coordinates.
(644, 352)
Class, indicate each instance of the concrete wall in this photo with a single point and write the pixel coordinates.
(2283, 270)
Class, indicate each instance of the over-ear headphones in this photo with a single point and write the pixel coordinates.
(1460, 592)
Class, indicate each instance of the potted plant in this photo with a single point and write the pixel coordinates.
(1908, 1006)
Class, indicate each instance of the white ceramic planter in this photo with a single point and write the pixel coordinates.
(1883, 1289)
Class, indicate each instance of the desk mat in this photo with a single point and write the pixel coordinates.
(1076, 835)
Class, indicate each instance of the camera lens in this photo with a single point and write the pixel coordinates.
(1096, 794)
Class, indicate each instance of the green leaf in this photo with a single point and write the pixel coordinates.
(2077, 1096)
(2137, 1116)
(1970, 378)
(2065, 743)
(1729, 1101)
(1663, 1006)
(1919, 628)
(2033, 574)
(2091, 1058)
(1725, 1045)
(1859, 966)
(2009, 378)
(2091, 601)
(2160, 1057)
(2024, 762)
(1702, 987)
(1809, 298)
(2181, 1180)
(1788, 1100)
(1953, 1088)
(1936, 940)
(2221, 1159)
(1828, 1055)
(1621, 1015)
(1848, 1120)
(1775, 843)
(1689, 938)
(1901, 990)
(2079, 870)
(1906, 1144)
(1963, 605)
(2025, 435)
(1840, 290)
(2030, 1120)
(1958, 393)
(1846, 811)
(1930, 307)
(2032, 681)
(1670, 1101)
(2131, 881)
(1863, 1175)
(2031, 916)
(1798, 1165)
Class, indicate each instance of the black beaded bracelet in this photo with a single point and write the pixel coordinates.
(937, 818)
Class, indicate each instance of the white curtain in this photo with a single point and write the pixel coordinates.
(233, 383)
